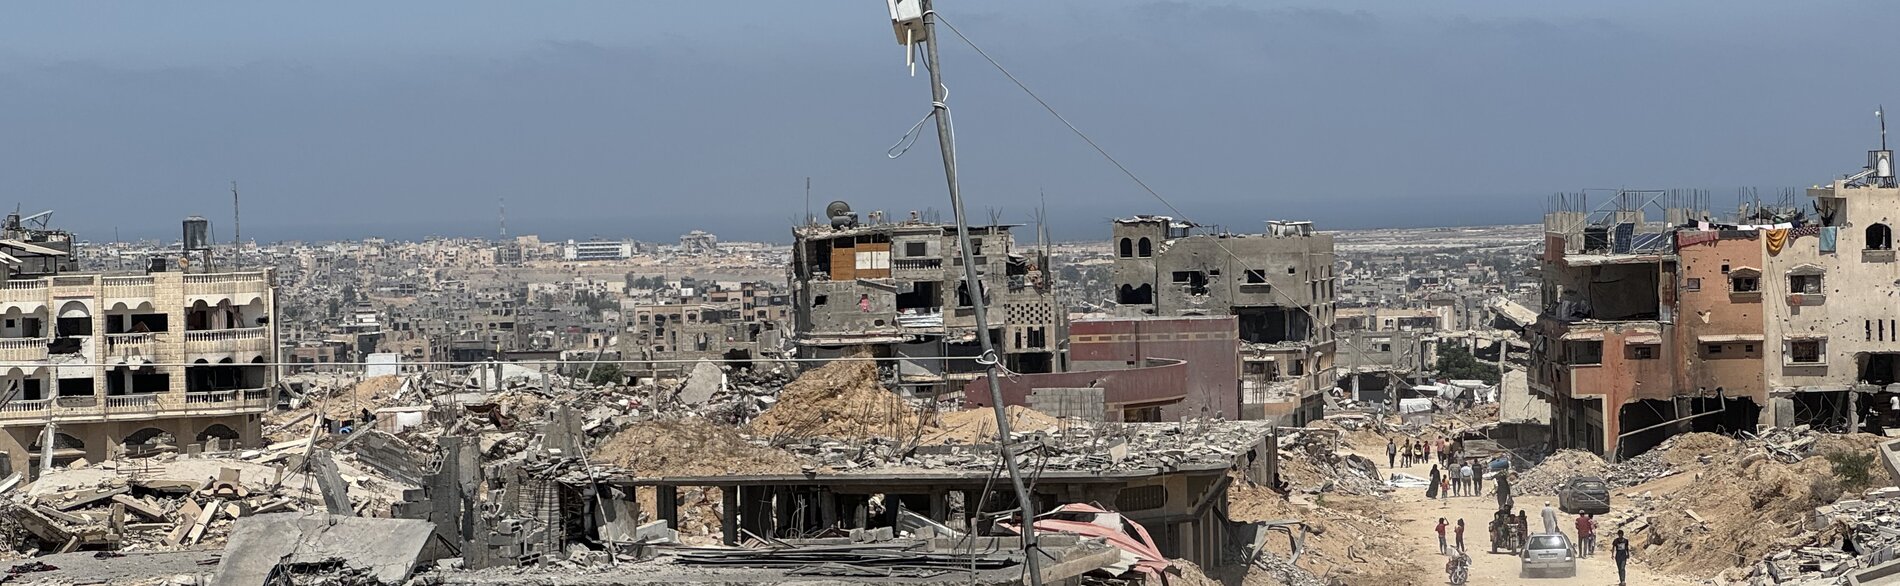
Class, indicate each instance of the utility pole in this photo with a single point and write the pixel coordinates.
(946, 143)
(237, 227)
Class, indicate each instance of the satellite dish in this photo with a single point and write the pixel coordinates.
(837, 208)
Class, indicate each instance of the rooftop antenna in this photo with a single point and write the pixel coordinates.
(808, 200)
(1879, 172)
(915, 21)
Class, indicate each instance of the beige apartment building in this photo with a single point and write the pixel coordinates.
(116, 363)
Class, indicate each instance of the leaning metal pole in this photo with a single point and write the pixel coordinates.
(946, 142)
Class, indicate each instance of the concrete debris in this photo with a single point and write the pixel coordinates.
(1848, 535)
(702, 383)
(384, 550)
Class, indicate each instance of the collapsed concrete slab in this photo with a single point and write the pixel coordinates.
(386, 549)
(705, 380)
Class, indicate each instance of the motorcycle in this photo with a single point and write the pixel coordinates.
(1458, 568)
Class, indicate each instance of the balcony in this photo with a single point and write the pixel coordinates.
(23, 291)
(226, 283)
(137, 406)
(23, 349)
(227, 341)
(135, 287)
(133, 344)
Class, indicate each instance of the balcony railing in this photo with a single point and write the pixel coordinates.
(226, 283)
(143, 341)
(134, 287)
(227, 335)
(25, 290)
(140, 400)
(23, 349)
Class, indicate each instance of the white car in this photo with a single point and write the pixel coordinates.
(1548, 554)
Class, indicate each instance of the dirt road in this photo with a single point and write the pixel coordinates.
(1417, 516)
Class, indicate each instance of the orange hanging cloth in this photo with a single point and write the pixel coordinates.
(1776, 239)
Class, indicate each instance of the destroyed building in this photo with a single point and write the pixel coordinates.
(897, 290)
(713, 322)
(1140, 369)
(1279, 286)
(100, 365)
(1782, 318)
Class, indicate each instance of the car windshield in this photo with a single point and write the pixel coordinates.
(1548, 542)
(1590, 486)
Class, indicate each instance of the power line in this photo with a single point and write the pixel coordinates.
(1130, 173)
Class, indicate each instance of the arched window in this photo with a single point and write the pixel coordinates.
(1127, 248)
(1147, 248)
(1879, 237)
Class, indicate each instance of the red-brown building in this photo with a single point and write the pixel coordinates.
(1150, 369)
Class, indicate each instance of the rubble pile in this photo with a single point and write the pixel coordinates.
(841, 400)
(1727, 502)
(158, 504)
(1342, 535)
(1870, 524)
(978, 426)
(1313, 460)
(1556, 470)
(689, 447)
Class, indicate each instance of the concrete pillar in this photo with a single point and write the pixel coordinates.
(939, 510)
(729, 515)
(667, 500)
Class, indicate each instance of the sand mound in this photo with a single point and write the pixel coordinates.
(1748, 511)
(978, 426)
(1558, 469)
(690, 447)
(839, 400)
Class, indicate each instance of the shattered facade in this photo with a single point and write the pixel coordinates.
(1279, 286)
(898, 290)
(98, 357)
(1652, 330)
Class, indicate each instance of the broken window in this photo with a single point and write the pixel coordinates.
(1693, 284)
(1195, 282)
(916, 249)
(1741, 284)
(1810, 284)
(1879, 237)
(820, 301)
(1808, 351)
(1583, 352)
(1714, 348)
(1130, 295)
(1643, 352)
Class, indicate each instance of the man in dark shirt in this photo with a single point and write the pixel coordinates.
(1620, 549)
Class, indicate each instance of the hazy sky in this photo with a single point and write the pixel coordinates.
(646, 119)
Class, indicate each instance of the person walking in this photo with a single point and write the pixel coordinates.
(1405, 454)
(1550, 518)
(1441, 535)
(1620, 550)
(1391, 454)
(1478, 480)
(1586, 536)
(1461, 535)
(1424, 453)
(1431, 483)
(1470, 484)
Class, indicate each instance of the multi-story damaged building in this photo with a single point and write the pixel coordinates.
(98, 364)
(713, 322)
(897, 290)
(1279, 286)
(1785, 317)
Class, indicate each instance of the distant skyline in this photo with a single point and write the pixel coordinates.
(644, 120)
